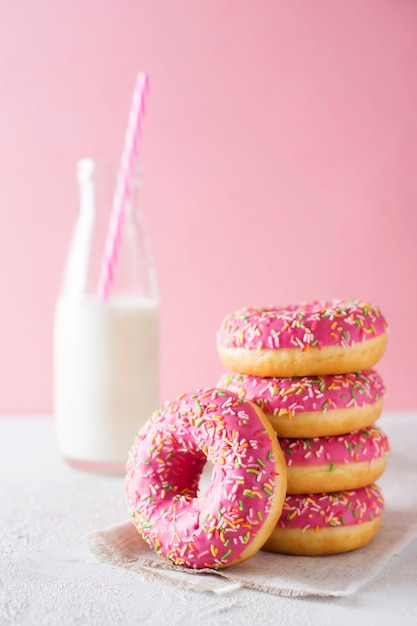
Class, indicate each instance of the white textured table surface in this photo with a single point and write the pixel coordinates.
(48, 575)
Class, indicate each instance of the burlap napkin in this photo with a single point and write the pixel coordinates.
(335, 575)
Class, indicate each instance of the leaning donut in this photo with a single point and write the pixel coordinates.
(320, 337)
(313, 406)
(337, 463)
(232, 519)
(327, 523)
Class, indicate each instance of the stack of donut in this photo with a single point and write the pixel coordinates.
(309, 369)
(289, 432)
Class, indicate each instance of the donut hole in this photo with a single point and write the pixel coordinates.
(206, 477)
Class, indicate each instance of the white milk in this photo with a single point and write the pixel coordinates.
(106, 377)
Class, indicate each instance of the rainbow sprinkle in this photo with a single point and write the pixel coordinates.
(282, 395)
(314, 324)
(342, 508)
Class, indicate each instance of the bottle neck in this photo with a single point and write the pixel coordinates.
(129, 264)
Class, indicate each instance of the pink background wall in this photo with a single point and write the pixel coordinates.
(280, 148)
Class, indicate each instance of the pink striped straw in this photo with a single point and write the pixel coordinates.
(122, 191)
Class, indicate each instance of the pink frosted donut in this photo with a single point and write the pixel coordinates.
(335, 463)
(231, 520)
(328, 337)
(313, 406)
(327, 523)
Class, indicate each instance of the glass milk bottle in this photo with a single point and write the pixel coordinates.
(105, 350)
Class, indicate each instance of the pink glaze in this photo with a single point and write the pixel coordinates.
(314, 324)
(307, 393)
(356, 447)
(163, 471)
(326, 510)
